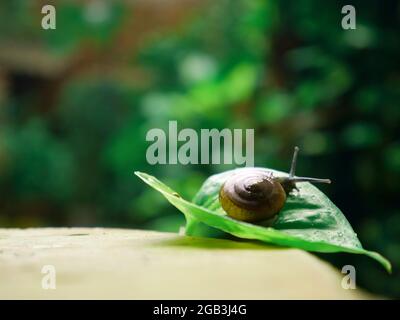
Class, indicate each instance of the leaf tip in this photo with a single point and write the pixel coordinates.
(385, 262)
(139, 174)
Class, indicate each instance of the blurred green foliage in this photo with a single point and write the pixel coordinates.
(285, 68)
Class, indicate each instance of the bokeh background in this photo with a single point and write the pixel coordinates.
(76, 103)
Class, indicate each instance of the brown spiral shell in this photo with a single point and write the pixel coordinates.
(252, 195)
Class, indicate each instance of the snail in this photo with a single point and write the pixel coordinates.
(255, 194)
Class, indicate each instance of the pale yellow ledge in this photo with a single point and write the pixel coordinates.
(95, 263)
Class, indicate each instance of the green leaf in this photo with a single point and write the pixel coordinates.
(309, 220)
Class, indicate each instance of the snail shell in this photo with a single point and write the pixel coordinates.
(252, 195)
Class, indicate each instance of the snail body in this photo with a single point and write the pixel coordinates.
(254, 195)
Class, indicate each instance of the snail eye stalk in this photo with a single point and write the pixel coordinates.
(294, 162)
(289, 183)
